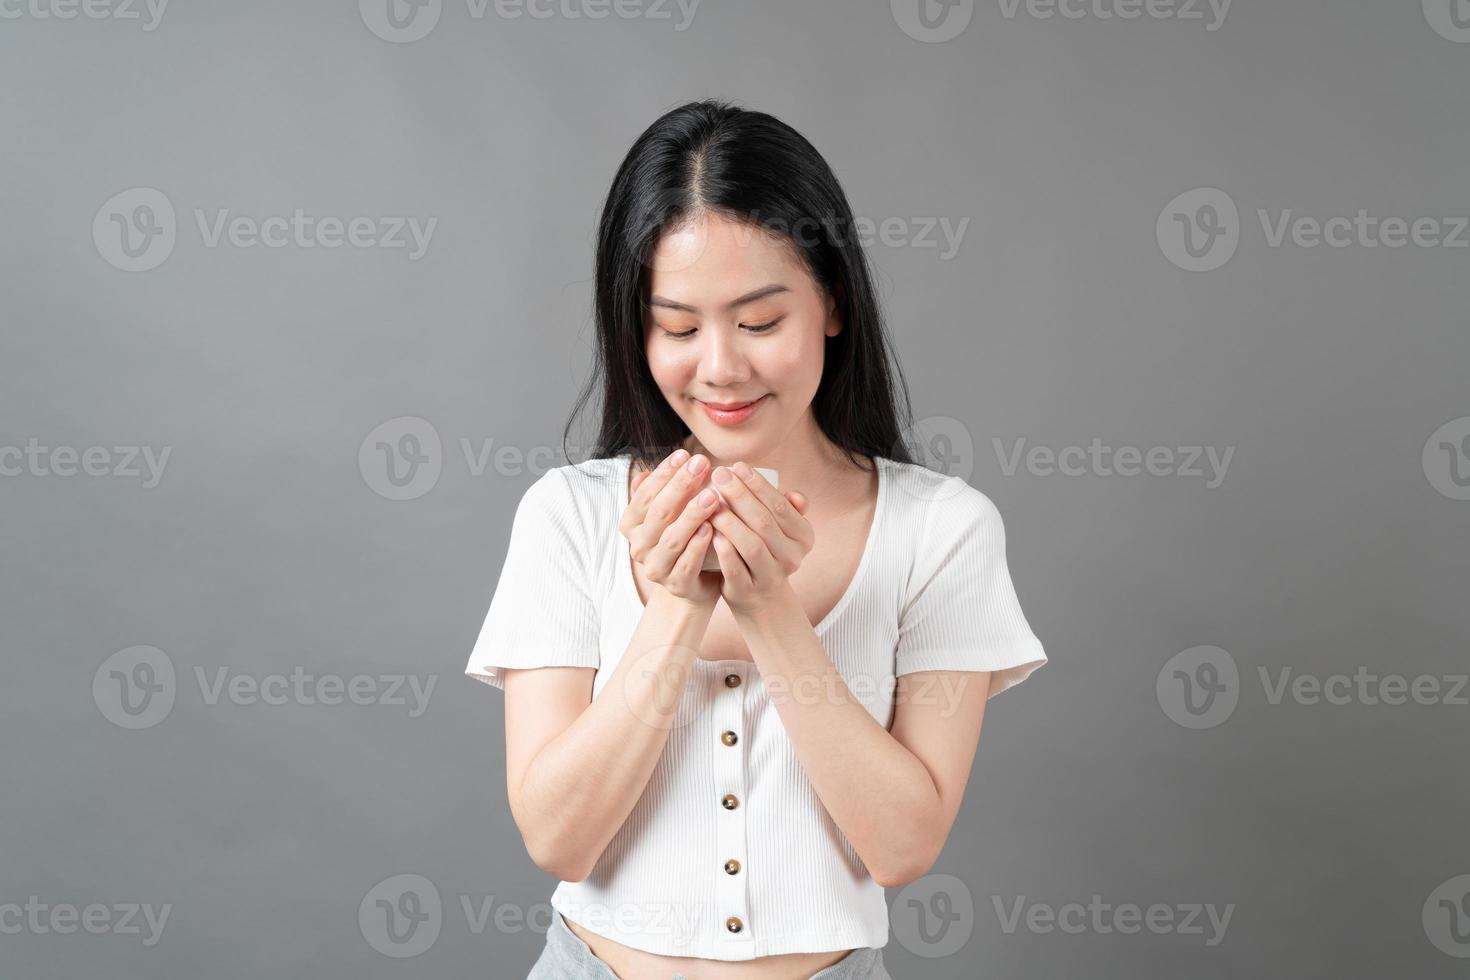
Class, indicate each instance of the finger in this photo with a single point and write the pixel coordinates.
(786, 533)
(675, 539)
(798, 500)
(682, 484)
(732, 566)
(749, 545)
(690, 561)
(645, 486)
(679, 485)
(758, 490)
(648, 489)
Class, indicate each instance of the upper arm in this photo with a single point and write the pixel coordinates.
(960, 611)
(937, 716)
(962, 639)
(540, 638)
(540, 704)
(544, 612)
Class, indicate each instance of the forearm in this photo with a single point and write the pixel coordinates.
(863, 775)
(581, 786)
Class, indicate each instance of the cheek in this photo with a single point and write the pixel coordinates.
(670, 367)
(797, 364)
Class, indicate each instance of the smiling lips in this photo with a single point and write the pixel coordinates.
(731, 413)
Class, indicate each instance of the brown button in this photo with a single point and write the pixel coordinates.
(732, 680)
(729, 738)
(729, 802)
(734, 924)
(732, 866)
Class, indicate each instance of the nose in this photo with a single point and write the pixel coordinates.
(721, 363)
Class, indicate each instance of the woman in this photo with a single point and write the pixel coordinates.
(723, 788)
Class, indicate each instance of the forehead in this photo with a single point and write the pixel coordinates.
(711, 258)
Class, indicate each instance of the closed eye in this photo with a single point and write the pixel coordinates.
(752, 327)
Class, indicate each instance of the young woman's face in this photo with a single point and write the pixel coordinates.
(735, 318)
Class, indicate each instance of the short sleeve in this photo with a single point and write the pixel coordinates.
(542, 613)
(961, 611)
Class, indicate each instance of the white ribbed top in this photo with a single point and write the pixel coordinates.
(932, 592)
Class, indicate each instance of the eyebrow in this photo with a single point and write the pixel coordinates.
(749, 297)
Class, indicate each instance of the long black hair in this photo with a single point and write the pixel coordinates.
(711, 156)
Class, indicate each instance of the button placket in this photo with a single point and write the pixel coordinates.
(728, 742)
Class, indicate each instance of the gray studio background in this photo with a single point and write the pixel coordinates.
(1149, 763)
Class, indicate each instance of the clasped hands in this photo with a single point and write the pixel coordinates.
(759, 533)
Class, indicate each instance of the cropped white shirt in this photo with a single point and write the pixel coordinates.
(729, 854)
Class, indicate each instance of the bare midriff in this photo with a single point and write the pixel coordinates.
(637, 964)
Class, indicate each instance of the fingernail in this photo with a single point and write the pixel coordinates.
(697, 464)
(678, 457)
(722, 475)
(707, 498)
(743, 471)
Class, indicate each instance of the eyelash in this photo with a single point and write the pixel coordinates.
(753, 328)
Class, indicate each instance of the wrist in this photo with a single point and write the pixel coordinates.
(775, 609)
(682, 609)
